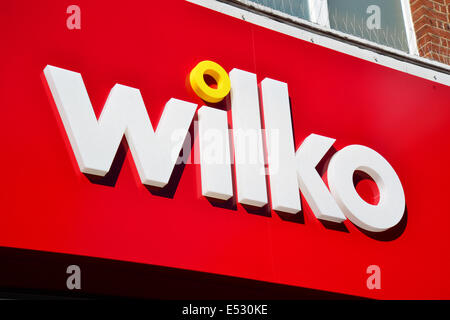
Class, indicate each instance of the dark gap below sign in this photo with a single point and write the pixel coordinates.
(30, 274)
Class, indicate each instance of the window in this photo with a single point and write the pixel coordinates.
(295, 8)
(385, 22)
(380, 21)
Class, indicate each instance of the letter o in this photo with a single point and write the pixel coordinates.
(202, 89)
(376, 218)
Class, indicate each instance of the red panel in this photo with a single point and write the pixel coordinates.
(47, 204)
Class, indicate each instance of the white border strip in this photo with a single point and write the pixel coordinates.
(341, 46)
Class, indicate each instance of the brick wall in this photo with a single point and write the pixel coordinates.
(432, 23)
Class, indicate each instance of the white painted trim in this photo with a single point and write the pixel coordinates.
(409, 27)
(318, 12)
(339, 41)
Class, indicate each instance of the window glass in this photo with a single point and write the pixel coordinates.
(380, 21)
(296, 8)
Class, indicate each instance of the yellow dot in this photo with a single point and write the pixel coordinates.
(202, 89)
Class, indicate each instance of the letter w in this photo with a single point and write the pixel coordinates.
(95, 143)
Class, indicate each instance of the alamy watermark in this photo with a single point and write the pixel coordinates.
(73, 21)
(74, 279)
(374, 280)
(247, 147)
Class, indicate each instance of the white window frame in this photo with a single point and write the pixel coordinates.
(318, 14)
(409, 27)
